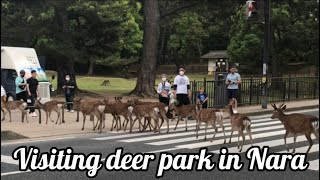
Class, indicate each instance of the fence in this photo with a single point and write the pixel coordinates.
(279, 89)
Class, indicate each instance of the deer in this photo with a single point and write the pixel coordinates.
(109, 109)
(297, 123)
(91, 108)
(210, 116)
(163, 108)
(48, 107)
(239, 122)
(184, 112)
(7, 106)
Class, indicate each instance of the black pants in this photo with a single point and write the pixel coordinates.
(183, 99)
(22, 95)
(205, 105)
(32, 98)
(69, 98)
(164, 100)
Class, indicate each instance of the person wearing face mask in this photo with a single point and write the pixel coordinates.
(181, 88)
(69, 92)
(163, 90)
(21, 84)
(33, 91)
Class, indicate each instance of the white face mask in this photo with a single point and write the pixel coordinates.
(67, 79)
(164, 79)
(181, 73)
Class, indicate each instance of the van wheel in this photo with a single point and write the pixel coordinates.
(10, 98)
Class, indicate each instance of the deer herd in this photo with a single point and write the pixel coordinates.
(149, 114)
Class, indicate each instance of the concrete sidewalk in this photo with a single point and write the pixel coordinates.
(35, 130)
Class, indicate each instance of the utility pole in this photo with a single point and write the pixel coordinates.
(266, 52)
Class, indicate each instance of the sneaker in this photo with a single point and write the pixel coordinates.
(34, 114)
(30, 115)
(71, 111)
(68, 110)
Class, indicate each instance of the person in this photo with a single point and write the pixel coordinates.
(68, 92)
(33, 91)
(181, 86)
(232, 81)
(21, 83)
(3, 92)
(202, 98)
(164, 90)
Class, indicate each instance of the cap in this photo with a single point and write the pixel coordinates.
(33, 71)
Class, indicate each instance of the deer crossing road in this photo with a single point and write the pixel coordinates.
(265, 132)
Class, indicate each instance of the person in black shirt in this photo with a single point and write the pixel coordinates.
(33, 91)
(68, 92)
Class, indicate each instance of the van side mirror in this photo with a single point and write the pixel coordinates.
(53, 76)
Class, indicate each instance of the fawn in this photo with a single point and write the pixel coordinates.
(48, 107)
(7, 106)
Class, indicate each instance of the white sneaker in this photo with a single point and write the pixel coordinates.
(30, 115)
(34, 114)
(71, 111)
(68, 110)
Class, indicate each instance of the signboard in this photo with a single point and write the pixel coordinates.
(41, 75)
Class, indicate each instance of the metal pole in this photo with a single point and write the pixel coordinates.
(266, 52)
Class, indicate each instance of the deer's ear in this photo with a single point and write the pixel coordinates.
(284, 107)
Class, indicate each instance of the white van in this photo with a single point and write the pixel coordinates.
(15, 59)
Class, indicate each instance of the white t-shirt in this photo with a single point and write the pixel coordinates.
(182, 83)
(3, 91)
(164, 87)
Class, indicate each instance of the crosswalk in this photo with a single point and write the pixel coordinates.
(265, 132)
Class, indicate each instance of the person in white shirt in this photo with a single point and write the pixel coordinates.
(233, 81)
(181, 88)
(164, 90)
(3, 92)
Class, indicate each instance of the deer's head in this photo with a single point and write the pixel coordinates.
(277, 111)
(37, 102)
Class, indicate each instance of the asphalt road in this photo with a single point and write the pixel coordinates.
(265, 132)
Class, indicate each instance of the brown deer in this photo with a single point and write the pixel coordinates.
(7, 106)
(91, 108)
(210, 116)
(184, 112)
(48, 107)
(297, 123)
(239, 122)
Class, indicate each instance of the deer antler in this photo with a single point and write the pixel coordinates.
(274, 106)
(281, 105)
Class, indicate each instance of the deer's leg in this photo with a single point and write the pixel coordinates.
(224, 133)
(197, 128)
(25, 115)
(84, 120)
(316, 134)
(250, 135)
(308, 136)
(104, 120)
(57, 111)
(215, 129)
(177, 122)
(131, 123)
(231, 135)
(4, 114)
(112, 122)
(285, 140)
(294, 142)
(22, 115)
(243, 138)
(10, 114)
(205, 131)
(186, 119)
(94, 126)
(47, 117)
(100, 119)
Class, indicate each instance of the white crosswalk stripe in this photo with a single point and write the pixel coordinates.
(265, 132)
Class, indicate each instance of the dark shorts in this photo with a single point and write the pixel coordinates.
(232, 93)
(183, 99)
(164, 100)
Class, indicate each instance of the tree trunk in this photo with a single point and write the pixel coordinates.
(146, 77)
(91, 67)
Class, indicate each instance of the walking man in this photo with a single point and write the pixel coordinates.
(21, 84)
(232, 81)
(33, 91)
(68, 93)
(181, 88)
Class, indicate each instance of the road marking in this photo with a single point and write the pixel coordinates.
(32, 141)
(272, 143)
(314, 165)
(234, 139)
(174, 141)
(14, 172)
(303, 149)
(9, 160)
(163, 150)
(193, 133)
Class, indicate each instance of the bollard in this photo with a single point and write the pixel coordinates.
(39, 115)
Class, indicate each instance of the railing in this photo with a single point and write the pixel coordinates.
(279, 89)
